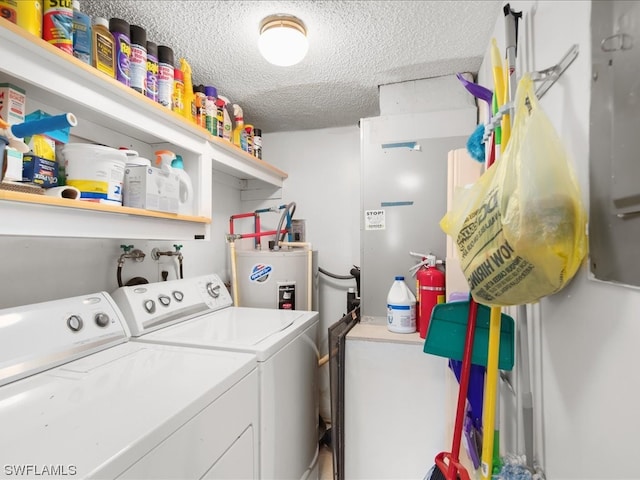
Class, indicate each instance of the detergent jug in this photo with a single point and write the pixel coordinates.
(168, 159)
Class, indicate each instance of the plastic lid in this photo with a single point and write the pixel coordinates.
(198, 89)
(178, 75)
(118, 25)
(257, 132)
(400, 277)
(210, 91)
(75, 5)
(138, 36)
(101, 21)
(165, 55)
(152, 49)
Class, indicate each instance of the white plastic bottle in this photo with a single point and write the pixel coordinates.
(401, 308)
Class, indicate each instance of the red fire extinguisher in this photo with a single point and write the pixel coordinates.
(430, 289)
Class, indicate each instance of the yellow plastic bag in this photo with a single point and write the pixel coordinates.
(520, 229)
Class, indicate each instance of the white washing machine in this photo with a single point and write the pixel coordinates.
(199, 312)
(77, 399)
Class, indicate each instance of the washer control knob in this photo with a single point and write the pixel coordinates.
(178, 295)
(102, 319)
(74, 322)
(213, 290)
(164, 300)
(150, 306)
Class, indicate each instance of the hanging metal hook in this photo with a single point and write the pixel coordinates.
(550, 75)
(619, 41)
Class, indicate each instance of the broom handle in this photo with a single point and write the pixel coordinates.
(464, 386)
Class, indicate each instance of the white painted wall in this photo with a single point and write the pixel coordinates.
(589, 331)
(40, 269)
(324, 182)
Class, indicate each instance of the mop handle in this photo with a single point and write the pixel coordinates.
(464, 384)
(489, 410)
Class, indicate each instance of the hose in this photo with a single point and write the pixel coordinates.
(290, 206)
(119, 275)
(333, 275)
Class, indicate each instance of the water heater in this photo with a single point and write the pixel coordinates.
(284, 279)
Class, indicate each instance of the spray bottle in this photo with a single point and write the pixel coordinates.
(239, 134)
(226, 130)
(189, 101)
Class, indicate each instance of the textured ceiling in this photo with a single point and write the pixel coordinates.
(355, 46)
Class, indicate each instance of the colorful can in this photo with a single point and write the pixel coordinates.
(210, 109)
(152, 71)
(220, 104)
(200, 101)
(57, 24)
(177, 103)
(165, 76)
(248, 129)
(257, 143)
(138, 63)
(24, 13)
(120, 31)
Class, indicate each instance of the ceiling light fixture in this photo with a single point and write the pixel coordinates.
(283, 40)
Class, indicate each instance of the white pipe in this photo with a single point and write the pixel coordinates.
(234, 272)
(309, 267)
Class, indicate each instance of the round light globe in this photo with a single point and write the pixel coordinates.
(283, 41)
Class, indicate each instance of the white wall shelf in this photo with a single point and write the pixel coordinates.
(110, 113)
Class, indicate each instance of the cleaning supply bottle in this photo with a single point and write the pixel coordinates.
(177, 104)
(151, 89)
(257, 143)
(401, 308)
(165, 76)
(220, 105)
(226, 119)
(104, 47)
(200, 99)
(166, 159)
(239, 135)
(138, 64)
(210, 109)
(81, 34)
(188, 109)
(185, 199)
(249, 135)
(121, 34)
(57, 24)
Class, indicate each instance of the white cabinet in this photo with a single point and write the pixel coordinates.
(394, 404)
(112, 114)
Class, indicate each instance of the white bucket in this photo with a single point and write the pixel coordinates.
(95, 170)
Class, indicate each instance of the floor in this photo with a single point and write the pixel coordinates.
(326, 463)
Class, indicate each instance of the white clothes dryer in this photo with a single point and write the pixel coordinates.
(199, 312)
(77, 399)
